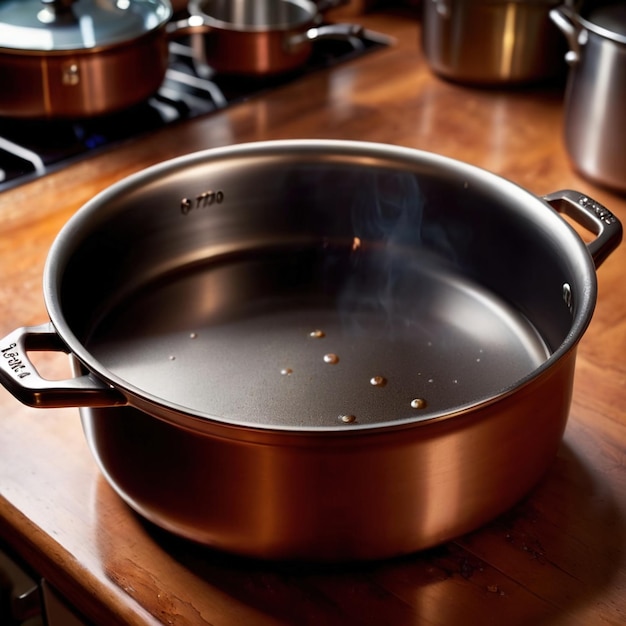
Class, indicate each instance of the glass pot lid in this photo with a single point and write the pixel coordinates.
(57, 25)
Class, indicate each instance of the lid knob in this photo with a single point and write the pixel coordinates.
(58, 5)
(55, 10)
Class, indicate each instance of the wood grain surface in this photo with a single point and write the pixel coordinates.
(559, 557)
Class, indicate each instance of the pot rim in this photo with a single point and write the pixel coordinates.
(189, 418)
(497, 2)
(585, 21)
(309, 8)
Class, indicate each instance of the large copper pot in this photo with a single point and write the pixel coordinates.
(318, 350)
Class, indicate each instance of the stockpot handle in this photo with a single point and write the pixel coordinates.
(20, 377)
(591, 215)
(567, 22)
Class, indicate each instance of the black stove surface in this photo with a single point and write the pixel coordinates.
(33, 148)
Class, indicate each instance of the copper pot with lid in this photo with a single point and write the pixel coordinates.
(76, 58)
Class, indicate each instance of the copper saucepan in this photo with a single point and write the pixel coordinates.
(261, 37)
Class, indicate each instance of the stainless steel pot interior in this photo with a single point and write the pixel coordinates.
(252, 15)
(318, 285)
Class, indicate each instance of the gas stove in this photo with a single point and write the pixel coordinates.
(33, 148)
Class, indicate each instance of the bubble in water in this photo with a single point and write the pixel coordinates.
(356, 243)
(317, 334)
(331, 358)
(347, 419)
(172, 357)
(418, 403)
(193, 335)
(286, 371)
(378, 381)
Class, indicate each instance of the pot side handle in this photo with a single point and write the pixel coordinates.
(192, 25)
(591, 215)
(329, 31)
(20, 377)
(565, 19)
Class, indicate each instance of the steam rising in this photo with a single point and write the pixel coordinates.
(387, 218)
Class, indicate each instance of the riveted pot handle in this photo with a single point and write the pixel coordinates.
(20, 377)
(591, 215)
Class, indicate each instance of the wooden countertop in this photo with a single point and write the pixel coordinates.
(559, 557)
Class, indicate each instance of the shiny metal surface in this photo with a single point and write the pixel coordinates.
(256, 15)
(491, 41)
(81, 84)
(259, 38)
(314, 334)
(80, 67)
(221, 264)
(332, 498)
(595, 120)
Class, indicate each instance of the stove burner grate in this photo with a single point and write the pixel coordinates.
(32, 148)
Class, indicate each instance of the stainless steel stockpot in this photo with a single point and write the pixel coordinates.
(594, 113)
(492, 42)
(318, 350)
